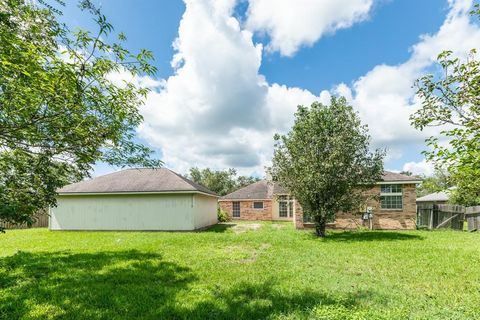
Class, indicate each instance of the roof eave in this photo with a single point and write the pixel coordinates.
(244, 199)
(400, 182)
(136, 193)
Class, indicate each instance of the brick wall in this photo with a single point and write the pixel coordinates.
(382, 219)
(298, 216)
(247, 212)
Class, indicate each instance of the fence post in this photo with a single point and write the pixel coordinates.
(430, 222)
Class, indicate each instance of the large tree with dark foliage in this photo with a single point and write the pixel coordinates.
(325, 160)
(60, 111)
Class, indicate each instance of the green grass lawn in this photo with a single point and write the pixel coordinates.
(274, 272)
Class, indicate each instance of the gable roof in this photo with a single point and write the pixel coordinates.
(134, 180)
(389, 176)
(263, 189)
(436, 196)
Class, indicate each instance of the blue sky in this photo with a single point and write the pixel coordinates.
(372, 51)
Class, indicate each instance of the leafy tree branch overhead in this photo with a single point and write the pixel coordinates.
(451, 100)
(60, 112)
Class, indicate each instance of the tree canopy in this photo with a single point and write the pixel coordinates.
(451, 100)
(439, 181)
(60, 109)
(221, 182)
(325, 160)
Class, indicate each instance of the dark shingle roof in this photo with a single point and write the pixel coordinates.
(265, 190)
(389, 176)
(262, 189)
(136, 180)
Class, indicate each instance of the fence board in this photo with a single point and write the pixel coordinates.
(41, 222)
(472, 214)
(433, 216)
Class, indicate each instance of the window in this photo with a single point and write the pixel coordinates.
(285, 206)
(257, 205)
(283, 209)
(236, 209)
(391, 196)
(391, 188)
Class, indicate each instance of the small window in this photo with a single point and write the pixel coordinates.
(257, 205)
(236, 209)
(391, 196)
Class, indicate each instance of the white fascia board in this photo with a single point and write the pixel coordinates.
(400, 182)
(133, 193)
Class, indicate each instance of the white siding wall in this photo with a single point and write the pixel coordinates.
(204, 211)
(124, 212)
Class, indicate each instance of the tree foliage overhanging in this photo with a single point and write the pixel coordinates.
(60, 110)
(451, 100)
(325, 160)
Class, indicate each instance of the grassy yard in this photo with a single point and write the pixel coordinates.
(227, 272)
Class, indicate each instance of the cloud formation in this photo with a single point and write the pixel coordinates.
(217, 110)
(419, 168)
(384, 96)
(293, 24)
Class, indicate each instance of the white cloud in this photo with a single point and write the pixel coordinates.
(292, 24)
(419, 168)
(218, 111)
(384, 96)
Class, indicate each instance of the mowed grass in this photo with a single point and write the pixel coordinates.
(273, 272)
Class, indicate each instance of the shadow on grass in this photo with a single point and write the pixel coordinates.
(248, 300)
(355, 236)
(136, 285)
(220, 227)
(106, 285)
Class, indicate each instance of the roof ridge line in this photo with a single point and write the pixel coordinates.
(190, 182)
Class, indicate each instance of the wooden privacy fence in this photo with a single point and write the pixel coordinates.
(41, 222)
(472, 215)
(436, 216)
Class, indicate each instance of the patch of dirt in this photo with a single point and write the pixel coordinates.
(278, 226)
(264, 246)
(239, 228)
(244, 254)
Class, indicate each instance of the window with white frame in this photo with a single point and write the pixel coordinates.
(236, 209)
(285, 206)
(391, 196)
(258, 205)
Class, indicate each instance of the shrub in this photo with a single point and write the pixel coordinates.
(222, 215)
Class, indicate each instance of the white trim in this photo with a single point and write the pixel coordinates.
(392, 194)
(229, 200)
(400, 182)
(132, 193)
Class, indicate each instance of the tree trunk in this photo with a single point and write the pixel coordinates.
(320, 226)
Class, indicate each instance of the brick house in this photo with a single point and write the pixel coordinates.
(394, 208)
